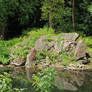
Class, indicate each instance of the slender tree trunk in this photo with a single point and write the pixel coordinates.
(73, 18)
(50, 21)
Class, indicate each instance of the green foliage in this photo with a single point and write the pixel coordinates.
(84, 22)
(52, 58)
(44, 80)
(52, 9)
(49, 39)
(29, 41)
(17, 12)
(13, 42)
(20, 14)
(4, 52)
(65, 59)
(5, 49)
(51, 6)
(41, 55)
(6, 84)
(88, 43)
(90, 8)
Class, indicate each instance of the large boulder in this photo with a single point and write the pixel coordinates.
(80, 50)
(80, 53)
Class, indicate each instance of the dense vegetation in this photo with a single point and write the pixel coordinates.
(20, 46)
(6, 83)
(62, 15)
(20, 16)
(22, 22)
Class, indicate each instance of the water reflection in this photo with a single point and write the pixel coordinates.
(29, 73)
(65, 81)
(69, 81)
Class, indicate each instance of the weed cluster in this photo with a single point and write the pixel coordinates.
(44, 80)
(6, 84)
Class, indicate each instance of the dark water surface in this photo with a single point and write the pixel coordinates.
(66, 81)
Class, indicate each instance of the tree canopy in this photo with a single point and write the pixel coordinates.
(17, 15)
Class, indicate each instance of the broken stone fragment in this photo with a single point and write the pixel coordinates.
(18, 62)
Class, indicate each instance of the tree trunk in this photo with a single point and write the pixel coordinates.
(73, 19)
(50, 21)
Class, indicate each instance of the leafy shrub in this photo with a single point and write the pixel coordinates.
(17, 13)
(6, 84)
(65, 59)
(52, 58)
(88, 43)
(18, 51)
(4, 53)
(29, 41)
(5, 48)
(13, 42)
(44, 80)
(41, 55)
(49, 39)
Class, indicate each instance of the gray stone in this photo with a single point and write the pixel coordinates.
(51, 47)
(18, 62)
(40, 43)
(30, 58)
(75, 36)
(1, 66)
(70, 36)
(80, 50)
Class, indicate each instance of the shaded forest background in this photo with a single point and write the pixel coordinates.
(19, 15)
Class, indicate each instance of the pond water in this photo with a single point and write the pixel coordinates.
(65, 81)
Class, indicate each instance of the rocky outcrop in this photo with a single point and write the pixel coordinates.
(67, 42)
(59, 44)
